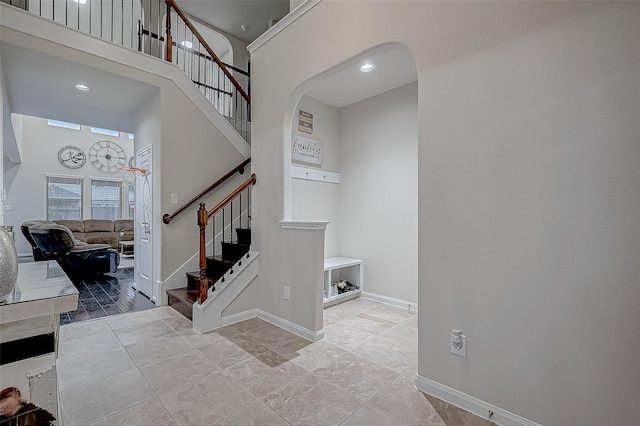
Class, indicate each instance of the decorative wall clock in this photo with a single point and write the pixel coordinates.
(72, 157)
(107, 156)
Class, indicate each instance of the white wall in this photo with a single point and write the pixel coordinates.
(312, 200)
(194, 155)
(379, 190)
(528, 206)
(373, 144)
(26, 183)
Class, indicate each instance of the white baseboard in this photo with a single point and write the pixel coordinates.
(474, 405)
(239, 317)
(390, 301)
(277, 321)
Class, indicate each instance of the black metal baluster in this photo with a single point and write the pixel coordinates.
(249, 208)
(111, 28)
(240, 213)
(199, 65)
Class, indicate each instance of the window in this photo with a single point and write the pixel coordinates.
(63, 124)
(107, 132)
(105, 200)
(64, 198)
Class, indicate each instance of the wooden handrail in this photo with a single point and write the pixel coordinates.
(203, 220)
(167, 218)
(222, 204)
(187, 21)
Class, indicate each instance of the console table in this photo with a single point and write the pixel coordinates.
(29, 329)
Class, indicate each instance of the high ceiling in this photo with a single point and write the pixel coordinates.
(230, 15)
(40, 84)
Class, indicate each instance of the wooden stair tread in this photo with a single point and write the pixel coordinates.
(184, 295)
(196, 276)
(218, 258)
(183, 299)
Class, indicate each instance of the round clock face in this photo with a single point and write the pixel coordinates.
(71, 157)
(107, 156)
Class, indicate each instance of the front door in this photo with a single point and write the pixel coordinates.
(144, 260)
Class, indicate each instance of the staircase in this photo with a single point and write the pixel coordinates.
(161, 29)
(183, 299)
(230, 259)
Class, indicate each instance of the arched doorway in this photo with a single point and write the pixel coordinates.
(353, 162)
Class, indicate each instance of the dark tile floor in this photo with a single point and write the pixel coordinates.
(105, 295)
(109, 294)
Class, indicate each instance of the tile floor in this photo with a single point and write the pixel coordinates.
(151, 368)
(107, 294)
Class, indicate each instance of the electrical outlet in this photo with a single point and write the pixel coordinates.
(287, 293)
(458, 343)
(174, 198)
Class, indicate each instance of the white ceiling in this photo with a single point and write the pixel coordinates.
(229, 15)
(42, 85)
(393, 68)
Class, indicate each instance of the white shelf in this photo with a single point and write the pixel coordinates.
(341, 268)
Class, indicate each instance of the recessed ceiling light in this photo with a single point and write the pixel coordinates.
(81, 1)
(368, 67)
(187, 44)
(82, 86)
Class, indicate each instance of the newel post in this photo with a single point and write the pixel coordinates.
(168, 38)
(203, 287)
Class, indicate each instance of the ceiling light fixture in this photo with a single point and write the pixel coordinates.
(81, 1)
(82, 86)
(187, 44)
(368, 67)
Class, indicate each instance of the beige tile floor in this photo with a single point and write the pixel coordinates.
(151, 368)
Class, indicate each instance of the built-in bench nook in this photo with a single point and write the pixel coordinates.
(337, 270)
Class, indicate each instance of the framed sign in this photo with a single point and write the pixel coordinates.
(305, 122)
(306, 150)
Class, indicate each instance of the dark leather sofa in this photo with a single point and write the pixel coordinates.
(78, 259)
(100, 231)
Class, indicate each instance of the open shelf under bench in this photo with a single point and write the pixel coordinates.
(341, 268)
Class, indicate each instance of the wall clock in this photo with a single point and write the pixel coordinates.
(107, 156)
(71, 157)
